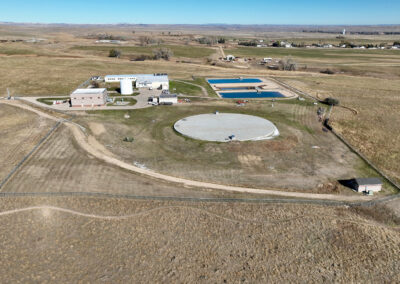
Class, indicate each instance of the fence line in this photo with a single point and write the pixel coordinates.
(7, 178)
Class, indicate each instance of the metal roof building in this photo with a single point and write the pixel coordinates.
(368, 184)
(155, 81)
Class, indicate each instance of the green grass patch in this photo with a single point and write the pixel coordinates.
(313, 53)
(17, 51)
(178, 50)
(185, 89)
(202, 82)
(49, 101)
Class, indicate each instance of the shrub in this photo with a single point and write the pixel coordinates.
(328, 71)
(114, 53)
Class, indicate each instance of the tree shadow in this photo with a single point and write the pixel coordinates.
(349, 183)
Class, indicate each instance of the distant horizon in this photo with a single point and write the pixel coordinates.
(203, 24)
(187, 12)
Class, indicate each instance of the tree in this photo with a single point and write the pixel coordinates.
(145, 40)
(276, 44)
(221, 40)
(164, 53)
(95, 84)
(396, 43)
(331, 101)
(287, 64)
(114, 53)
(207, 40)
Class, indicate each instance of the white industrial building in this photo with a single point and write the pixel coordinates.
(153, 81)
(167, 99)
(89, 97)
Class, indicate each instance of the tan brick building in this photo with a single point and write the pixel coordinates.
(89, 97)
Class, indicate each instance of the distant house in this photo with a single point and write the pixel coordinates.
(230, 57)
(368, 184)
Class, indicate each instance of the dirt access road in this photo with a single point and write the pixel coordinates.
(93, 147)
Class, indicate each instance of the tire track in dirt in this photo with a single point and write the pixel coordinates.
(191, 209)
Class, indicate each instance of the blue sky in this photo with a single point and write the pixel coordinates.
(329, 12)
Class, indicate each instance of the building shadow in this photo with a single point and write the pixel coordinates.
(349, 183)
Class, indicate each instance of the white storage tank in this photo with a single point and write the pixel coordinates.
(126, 87)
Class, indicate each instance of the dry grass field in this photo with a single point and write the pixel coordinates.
(375, 129)
(121, 241)
(20, 132)
(62, 166)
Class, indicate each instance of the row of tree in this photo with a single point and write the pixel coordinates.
(158, 53)
(211, 40)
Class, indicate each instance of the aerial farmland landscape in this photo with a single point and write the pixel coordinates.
(163, 152)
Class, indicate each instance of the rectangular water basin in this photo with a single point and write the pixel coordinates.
(234, 81)
(251, 95)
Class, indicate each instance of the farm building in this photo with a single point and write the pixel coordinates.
(154, 81)
(368, 184)
(89, 97)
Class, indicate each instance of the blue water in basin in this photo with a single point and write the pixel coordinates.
(232, 89)
(234, 81)
(251, 95)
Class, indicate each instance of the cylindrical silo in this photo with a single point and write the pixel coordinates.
(126, 87)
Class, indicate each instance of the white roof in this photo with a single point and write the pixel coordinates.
(142, 77)
(89, 91)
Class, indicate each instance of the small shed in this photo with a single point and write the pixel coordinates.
(368, 184)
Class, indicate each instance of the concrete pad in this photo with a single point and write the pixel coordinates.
(219, 127)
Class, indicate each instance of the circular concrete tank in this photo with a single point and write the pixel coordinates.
(225, 127)
(126, 87)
